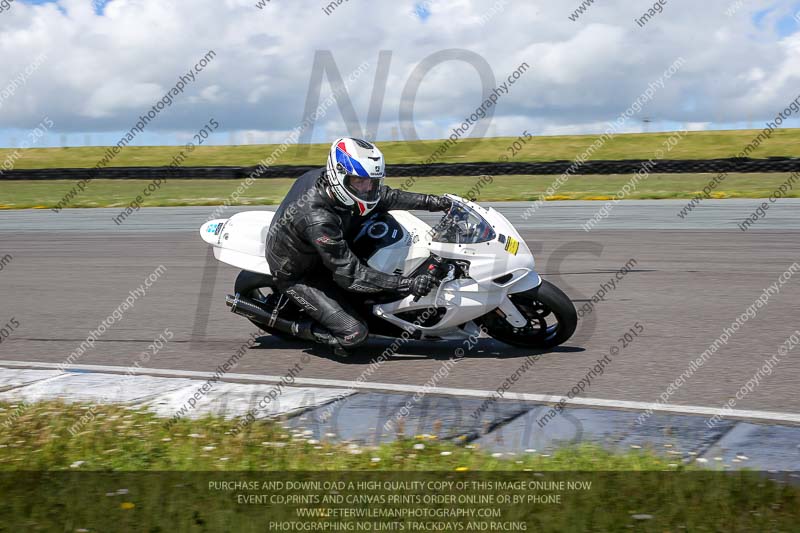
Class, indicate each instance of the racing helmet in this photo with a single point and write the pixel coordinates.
(355, 174)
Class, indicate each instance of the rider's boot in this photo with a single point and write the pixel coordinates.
(308, 330)
(267, 313)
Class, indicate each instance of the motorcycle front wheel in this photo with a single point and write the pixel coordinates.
(551, 317)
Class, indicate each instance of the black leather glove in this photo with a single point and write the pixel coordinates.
(419, 286)
(439, 203)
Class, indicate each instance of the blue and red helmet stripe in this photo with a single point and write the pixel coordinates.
(350, 165)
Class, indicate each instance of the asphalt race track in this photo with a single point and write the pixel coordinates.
(692, 278)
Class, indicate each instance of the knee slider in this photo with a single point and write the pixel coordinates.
(348, 330)
(353, 337)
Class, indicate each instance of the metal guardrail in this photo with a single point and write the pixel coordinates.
(665, 166)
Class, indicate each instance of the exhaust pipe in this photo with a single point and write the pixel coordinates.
(252, 310)
(248, 308)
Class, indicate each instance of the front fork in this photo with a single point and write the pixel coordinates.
(507, 309)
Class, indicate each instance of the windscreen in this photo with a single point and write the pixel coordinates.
(462, 225)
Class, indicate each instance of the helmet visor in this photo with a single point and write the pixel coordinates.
(365, 189)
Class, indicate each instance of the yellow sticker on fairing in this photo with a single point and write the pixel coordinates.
(512, 246)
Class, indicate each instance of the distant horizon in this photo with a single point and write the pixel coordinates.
(385, 141)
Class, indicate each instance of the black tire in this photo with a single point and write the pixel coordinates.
(552, 319)
(249, 284)
(257, 287)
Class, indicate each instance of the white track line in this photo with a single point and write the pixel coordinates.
(769, 416)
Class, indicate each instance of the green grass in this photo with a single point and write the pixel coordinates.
(696, 145)
(119, 439)
(124, 471)
(119, 193)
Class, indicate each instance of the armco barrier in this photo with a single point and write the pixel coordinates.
(674, 166)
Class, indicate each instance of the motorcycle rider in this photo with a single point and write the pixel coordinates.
(307, 247)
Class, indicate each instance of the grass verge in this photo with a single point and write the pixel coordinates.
(696, 145)
(51, 436)
(120, 193)
(122, 470)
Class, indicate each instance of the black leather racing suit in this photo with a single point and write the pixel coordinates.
(309, 257)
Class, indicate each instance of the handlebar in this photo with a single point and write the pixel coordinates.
(437, 271)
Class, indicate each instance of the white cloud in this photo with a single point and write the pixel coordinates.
(118, 95)
(103, 71)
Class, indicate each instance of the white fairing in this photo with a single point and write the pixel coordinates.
(240, 241)
(504, 265)
(406, 255)
(469, 298)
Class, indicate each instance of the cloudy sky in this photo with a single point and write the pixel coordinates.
(93, 67)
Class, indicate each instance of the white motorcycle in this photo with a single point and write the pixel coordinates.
(488, 281)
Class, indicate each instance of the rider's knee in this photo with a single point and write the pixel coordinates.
(355, 336)
(348, 330)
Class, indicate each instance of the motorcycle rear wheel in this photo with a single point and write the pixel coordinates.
(551, 317)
